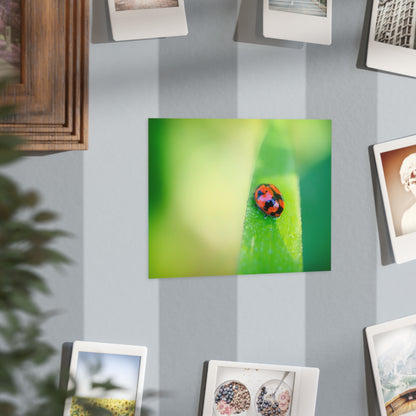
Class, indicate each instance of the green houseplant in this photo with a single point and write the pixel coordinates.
(26, 240)
(26, 246)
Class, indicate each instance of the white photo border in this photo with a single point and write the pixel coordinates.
(404, 245)
(386, 57)
(148, 23)
(304, 392)
(297, 27)
(104, 348)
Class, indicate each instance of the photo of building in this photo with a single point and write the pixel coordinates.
(396, 23)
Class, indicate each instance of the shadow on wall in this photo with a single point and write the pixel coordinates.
(101, 27)
(249, 27)
(386, 251)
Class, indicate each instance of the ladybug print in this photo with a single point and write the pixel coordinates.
(269, 199)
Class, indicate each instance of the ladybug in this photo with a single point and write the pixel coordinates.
(269, 199)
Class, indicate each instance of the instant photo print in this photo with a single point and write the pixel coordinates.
(234, 388)
(147, 19)
(298, 20)
(396, 169)
(392, 40)
(95, 367)
(392, 349)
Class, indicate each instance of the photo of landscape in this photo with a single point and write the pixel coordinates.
(95, 370)
(396, 361)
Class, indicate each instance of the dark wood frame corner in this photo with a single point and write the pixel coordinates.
(51, 101)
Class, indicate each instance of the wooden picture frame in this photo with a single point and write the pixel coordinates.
(51, 99)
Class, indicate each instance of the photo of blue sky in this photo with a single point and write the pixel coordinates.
(121, 370)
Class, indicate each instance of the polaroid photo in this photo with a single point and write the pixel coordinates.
(396, 169)
(298, 20)
(392, 40)
(108, 376)
(392, 349)
(244, 389)
(147, 19)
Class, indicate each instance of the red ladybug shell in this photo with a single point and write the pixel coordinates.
(269, 199)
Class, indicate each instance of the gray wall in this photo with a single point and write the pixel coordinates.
(102, 197)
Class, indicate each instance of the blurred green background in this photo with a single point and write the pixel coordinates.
(202, 217)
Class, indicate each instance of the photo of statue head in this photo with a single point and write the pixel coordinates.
(408, 179)
(399, 168)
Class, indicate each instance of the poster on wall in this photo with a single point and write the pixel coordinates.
(392, 349)
(298, 20)
(10, 39)
(392, 38)
(146, 19)
(234, 388)
(106, 377)
(239, 196)
(396, 169)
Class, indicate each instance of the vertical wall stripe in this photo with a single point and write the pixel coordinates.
(197, 79)
(341, 303)
(396, 119)
(58, 179)
(121, 303)
(271, 84)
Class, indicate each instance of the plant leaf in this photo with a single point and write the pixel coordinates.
(44, 216)
(273, 245)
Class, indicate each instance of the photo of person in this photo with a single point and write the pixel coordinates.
(309, 7)
(399, 168)
(408, 178)
(10, 38)
(122, 5)
(396, 23)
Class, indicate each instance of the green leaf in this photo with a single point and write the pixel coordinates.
(29, 199)
(39, 255)
(8, 156)
(10, 141)
(29, 280)
(7, 382)
(106, 385)
(273, 245)
(24, 303)
(44, 216)
(7, 408)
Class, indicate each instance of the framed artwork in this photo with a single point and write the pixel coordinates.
(106, 376)
(298, 20)
(146, 19)
(392, 348)
(239, 196)
(396, 169)
(247, 389)
(10, 39)
(44, 54)
(392, 41)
